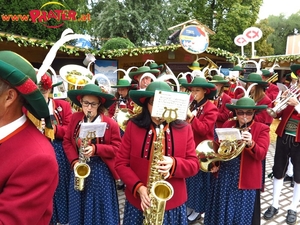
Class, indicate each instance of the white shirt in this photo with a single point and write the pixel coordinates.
(11, 127)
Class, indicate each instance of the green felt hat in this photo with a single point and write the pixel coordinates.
(296, 69)
(35, 101)
(142, 70)
(155, 66)
(46, 82)
(122, 83)
(237, 68)
(245, 103)
(91, 89)
(19, 62)
(255, 78)
(218, 79)
(211, 89)
(139, 97)
(266, 73)
(195, 66)
(182, 81)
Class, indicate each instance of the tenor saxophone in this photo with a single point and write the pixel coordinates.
(81, 169)
(160, 190)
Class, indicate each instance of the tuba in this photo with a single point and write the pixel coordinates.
(160, 190)
(210, 153)
(81, 169)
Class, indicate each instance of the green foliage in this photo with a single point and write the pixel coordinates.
(117, 43)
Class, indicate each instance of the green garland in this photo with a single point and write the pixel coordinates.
(71, 50)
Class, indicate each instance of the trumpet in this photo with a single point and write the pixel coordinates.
(281, 105)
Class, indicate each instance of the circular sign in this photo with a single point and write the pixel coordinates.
(252, 34)
(240, 40)
(194, 39)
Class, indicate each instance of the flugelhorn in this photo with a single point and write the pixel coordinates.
(281, 105)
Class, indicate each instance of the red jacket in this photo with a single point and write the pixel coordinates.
(272, 91)
(224, 112)
(263, 116)
(107, 151)
(285, 115)
(132, 162)
(204, 123)
(251, 158)
(28, 177)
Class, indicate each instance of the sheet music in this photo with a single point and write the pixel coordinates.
(174, 102)
(98, 128)
(230, 134)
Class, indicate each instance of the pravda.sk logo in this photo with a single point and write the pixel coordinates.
(43, 16)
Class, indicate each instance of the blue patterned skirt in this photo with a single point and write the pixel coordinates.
(134, 216)
(226, 203)
(98, 202)
(197, 190)
(61, 195)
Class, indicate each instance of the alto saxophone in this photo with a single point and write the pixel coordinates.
(160, 190)
(81, 169)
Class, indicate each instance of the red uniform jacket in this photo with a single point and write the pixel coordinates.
(272, 91)
(203, 123)
(285, 115)
(263, 116)
(224, 113)
(62, 113)
(251, 158)
(112, 108)
(132, 162)
(107, 151)
(28, 177)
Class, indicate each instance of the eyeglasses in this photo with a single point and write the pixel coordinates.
(86, 104)
(247, 113)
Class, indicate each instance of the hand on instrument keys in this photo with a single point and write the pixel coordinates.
(293, 101)
(164, 166)
(88, 151)
(247, 137)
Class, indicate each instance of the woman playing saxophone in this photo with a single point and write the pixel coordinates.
(97, 203)
(145, 137)
(234, 195)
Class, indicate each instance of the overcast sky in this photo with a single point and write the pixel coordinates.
(275, 7)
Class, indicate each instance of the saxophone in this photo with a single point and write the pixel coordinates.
(160, 190)
(82, 169)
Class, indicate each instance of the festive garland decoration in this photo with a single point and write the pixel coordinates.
(22, 41)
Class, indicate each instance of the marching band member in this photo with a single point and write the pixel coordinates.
(132, 164)
(29, 170)
(202, 116)
(97, 203)
(123, 87)
(137, 74)
(60, 114)
(221, 99)
(258, 94)
(234, 81)
(287, 146)
(234, 194)
(272, 89)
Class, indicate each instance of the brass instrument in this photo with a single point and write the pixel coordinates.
(273, 78)
(282, 104)
(121, 114)
(210, 154)
(81, 169)
(211, 65)
(160, 190)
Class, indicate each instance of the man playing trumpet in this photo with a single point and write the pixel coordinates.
(287, 145)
